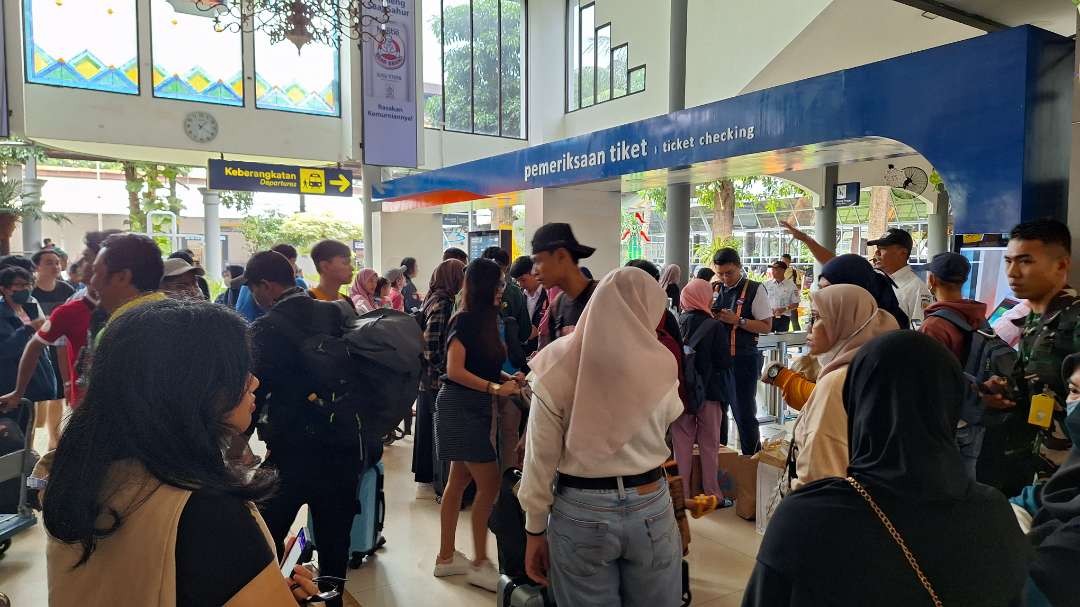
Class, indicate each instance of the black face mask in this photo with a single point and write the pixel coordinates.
(21, 297)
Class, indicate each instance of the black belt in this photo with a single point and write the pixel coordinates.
(610, 482)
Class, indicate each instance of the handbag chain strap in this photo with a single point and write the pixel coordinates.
(896, 538)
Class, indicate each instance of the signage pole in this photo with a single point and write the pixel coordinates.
(825, 213)
(369, 174)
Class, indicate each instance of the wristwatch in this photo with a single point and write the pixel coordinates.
(742, 322)
(493, 388)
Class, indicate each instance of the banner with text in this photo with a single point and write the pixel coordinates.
(259, 177)
(389, 84)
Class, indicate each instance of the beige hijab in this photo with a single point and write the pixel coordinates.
(612, 372)
(850, 317)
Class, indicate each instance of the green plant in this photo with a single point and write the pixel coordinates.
(301, 230)
(12, 203)
(19, 154)
(705, 251)
(237, 201)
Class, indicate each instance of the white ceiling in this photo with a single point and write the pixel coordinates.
(1055, 15)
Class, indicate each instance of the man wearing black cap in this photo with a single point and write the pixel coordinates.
(891, 256)
(783, 295)
(555, 254)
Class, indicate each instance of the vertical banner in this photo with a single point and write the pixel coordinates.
(389, 83)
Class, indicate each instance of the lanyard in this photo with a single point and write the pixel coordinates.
(738, 312)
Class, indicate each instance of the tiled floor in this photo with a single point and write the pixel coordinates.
(721, 556)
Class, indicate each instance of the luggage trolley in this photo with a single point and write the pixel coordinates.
(14, 466)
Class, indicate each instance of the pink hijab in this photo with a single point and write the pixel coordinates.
(850, 317)
(357, 292)
(671, 275)
(697, 295)
(586, 371)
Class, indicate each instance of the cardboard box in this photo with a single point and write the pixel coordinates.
(742, 470)
(768, 475)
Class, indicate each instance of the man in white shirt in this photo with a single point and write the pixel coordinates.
(784, 296)
(892, 254)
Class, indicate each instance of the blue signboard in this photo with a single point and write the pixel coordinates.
(278, 178)
(846, 194)
(991, 114)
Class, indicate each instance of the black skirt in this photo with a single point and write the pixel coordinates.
(463, 425)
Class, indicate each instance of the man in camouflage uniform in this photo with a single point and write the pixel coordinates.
(1037, 264)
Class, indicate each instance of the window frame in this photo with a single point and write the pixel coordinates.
(243, 75)
(255, 78)
(26, 32)
(573, 66)
(442, 126)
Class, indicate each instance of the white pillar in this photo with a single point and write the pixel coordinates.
(937, 224)
(593, 215)
(369, 176)
(211, 233)
(396, 236)
(31, 186)
(825, 212)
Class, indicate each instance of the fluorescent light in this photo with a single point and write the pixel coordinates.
(929, 15)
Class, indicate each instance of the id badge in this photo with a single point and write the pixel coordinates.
(1042, 410)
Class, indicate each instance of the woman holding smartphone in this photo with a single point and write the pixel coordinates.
(463, 419)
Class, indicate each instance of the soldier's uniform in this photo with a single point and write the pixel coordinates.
(1014, 450)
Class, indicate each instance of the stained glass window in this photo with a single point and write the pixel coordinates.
(86, 44)
(192, 61)
(305, 81)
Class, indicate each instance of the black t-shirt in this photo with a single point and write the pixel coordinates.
(49, 300)
(481, 359)
(219, 549)
(567, 310)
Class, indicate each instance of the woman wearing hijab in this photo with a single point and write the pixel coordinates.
(1055, 533)
(436, 310)
(844, 318)
(669, 282)
(602, 430)
(709, 339)
(851, 269)
(828, 544)
(396, 278)
(362, 291)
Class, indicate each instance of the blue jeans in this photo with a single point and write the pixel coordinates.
(611, 548)
(969, 440)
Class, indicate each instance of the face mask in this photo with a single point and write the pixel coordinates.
(1070, 406)
(20, 297)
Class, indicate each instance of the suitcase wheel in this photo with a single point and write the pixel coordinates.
(4, 545)
(356, 559)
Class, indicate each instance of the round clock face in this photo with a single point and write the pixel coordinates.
(201, 127)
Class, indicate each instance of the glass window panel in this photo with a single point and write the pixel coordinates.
(603, 64)
(573, 71)
(305, 82)
(513, 68)
(637, 79)
(619, 80)
(82, 44)
(192, 61)
(432, 31)
(457, 65)
(485, 85)
(588, 56)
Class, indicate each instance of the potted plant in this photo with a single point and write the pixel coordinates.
(14, 209)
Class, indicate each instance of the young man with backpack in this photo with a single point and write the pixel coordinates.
(960, 325)
(316, 465)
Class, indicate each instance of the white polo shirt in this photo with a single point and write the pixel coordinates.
(911, 292)
(781, 294)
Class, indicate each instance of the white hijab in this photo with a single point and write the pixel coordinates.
(611, 373)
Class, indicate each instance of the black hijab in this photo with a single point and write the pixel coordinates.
(1056, 529)
(851, 269)
(902, 432)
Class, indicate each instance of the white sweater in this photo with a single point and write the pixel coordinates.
(545, 452)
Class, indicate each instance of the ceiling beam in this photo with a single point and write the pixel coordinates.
(954, 14)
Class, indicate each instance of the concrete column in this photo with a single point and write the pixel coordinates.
(396, 236)
(937, 225)
(370, 176)
(31, 186)
(880, 203)
(593, 214)
(677, 230)
(211, 233)
(825, 212)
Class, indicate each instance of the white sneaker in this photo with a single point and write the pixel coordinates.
(459, 565)
(485, 576)
(424, 491)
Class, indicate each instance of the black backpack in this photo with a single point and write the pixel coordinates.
(988, 355)
(364, 375)
(697, 370)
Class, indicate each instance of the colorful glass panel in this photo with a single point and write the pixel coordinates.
(305, 81)
(192, 61)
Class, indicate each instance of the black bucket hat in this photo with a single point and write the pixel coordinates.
(552, 236)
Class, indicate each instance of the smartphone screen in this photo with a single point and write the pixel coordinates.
(292, 554)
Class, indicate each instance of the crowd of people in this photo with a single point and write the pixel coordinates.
(921, 466)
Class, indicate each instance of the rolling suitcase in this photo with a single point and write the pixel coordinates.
(521, 592)
(366, 535)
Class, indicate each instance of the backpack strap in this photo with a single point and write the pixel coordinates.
(955, 318)
(701, 332)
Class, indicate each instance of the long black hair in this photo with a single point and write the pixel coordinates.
(163, 380)
(482, 278)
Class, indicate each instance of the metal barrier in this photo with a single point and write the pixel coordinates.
(777, 347)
